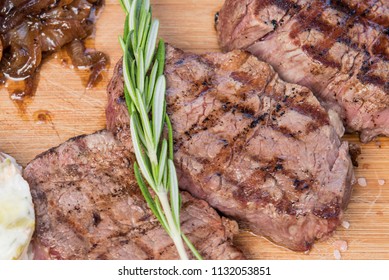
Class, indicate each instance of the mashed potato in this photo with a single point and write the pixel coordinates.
(17, 219)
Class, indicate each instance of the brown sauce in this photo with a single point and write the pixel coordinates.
(22, 92)
(89, 79)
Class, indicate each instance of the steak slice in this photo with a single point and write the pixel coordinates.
(88, 206)
(338, 49)
(257, 149)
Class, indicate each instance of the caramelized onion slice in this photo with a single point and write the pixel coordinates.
(57, 33)
(25, 54)
(14, 12)
(83, 59)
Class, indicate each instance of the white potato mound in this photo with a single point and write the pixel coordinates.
(17, 218)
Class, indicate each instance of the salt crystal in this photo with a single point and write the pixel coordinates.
(362, 182)
(381, 182)
(346, 224)
(337, 254)
(341, 245)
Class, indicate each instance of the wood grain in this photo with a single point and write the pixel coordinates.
(62, 108)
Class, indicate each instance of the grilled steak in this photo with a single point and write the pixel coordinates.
(88, 206)
(338, 49)
(258, 149)
(374, 10)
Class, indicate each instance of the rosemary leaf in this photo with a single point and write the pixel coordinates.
(151, 41)
(161, 57)
(140, 77)
(140, 155)
(158, 108)
(146, 194)
(153, 77)
(162, 161)
(132, 15)
(174, 192)
(170, 134)
(146, 34)
(145, 124)
(191, 247)
(163, 218)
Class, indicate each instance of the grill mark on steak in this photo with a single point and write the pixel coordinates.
(215, 118)
(320, 53)
(285, 5)
(247, 192)
(328, 211)
(366, 77)
(375, 11)
(313, 19)
(200, 88)
(381, 46)
(299, 104)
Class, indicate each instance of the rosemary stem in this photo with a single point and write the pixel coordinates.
(175, 233)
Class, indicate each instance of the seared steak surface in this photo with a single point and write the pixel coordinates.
(258, 149)
(339, 49)
(374, 10)
(88, 206)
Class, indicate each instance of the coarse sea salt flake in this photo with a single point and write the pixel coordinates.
(346, 224)
(341, 245)
(337, 255)
(381, 182)
(362, 182)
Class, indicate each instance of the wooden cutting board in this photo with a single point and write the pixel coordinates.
(62, 108)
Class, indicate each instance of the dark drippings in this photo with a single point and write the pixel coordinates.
(92, 76)
(43, 117)
(216, 19)
(22, 92)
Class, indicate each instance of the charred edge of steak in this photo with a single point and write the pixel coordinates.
(53, 149)
(355, 152)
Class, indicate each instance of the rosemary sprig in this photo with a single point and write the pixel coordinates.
(145, 90)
